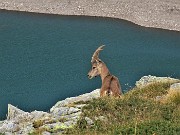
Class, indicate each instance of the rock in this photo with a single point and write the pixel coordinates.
(1, 123)
(89, 121)
(54, 127)
(26, 129)
(69, 111)
(40, 115)
(13, 112)
(7, 133)
(85, 97)
(63, 115)
(21, 122)
(70, 123)
(9, 126)
(101, 118)
(80, 106)
(73, 110)
(61, 111)
(175, 86)
(73, 116)
(46, 133)
(146, 80)
(18, 115)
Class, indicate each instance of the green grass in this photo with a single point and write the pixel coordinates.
(136, 113)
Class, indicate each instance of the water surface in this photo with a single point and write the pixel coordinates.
(45, 58)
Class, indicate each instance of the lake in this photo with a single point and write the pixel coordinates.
(46, 58)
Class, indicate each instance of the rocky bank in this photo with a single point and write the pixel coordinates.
(64, 114)
(149, 13)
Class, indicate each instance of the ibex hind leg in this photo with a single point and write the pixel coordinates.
(104, 93)
(115, 88)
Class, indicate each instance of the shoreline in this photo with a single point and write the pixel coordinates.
(154, 13)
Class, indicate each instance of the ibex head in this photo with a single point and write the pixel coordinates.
(96, 64)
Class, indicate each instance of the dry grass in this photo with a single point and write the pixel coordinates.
(173, 96)
(137, 112)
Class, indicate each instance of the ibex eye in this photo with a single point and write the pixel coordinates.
(94, 67)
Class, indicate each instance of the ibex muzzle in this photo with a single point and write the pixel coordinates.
(110, 83)
(94, 72)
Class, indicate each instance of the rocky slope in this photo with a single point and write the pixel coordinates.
(150, 13)
(64, 114)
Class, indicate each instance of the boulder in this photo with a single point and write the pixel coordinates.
(82, 98)
(146, 80)
(175, 87)
(13, 112)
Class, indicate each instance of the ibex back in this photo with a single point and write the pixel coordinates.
(110, 84)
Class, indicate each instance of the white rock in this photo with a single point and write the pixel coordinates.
(70, 123)
(13, 112)
(18, 115)
(73, 110)
(39, 114)
(60, 111)
(8, 133)
(101, 118)
(89, 121)
(73, 116)
(9, 126)
(146, 80)
(80, 106)
(85, 97)
(175, 86)
(26, 129)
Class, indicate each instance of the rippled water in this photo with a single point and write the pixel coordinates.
(45, 58)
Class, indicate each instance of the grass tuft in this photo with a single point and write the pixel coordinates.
(173, 96)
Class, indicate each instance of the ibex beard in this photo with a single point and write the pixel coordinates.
(110, 83)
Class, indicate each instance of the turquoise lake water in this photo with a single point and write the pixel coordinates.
(46, 58)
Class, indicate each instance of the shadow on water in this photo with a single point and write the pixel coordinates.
(45, 58)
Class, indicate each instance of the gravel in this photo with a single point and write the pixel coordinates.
(163, 14)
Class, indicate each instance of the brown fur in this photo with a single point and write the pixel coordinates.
(110, 84)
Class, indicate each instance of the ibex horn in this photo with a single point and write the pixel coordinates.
(96, 54)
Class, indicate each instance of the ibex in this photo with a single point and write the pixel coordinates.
(110, 84)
